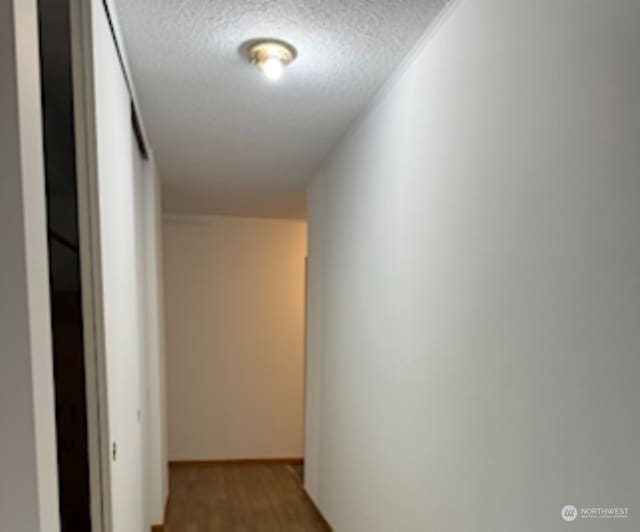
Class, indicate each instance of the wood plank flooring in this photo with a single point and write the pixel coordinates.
(239, 498)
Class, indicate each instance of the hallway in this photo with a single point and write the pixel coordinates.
(292, 266)
(239, 497)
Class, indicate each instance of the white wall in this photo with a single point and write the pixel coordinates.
(28, 472)
(121, 294)
(150, 287)
(234, 291)
(475, 280)
(315, 331)
(157, 459)
(122, 230)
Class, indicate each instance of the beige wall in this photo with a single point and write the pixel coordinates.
(234, 291)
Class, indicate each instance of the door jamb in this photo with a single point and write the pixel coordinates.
(81, 13)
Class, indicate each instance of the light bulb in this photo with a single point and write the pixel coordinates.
(270, 56)
(272, 68)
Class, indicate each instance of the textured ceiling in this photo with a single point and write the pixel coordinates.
(213, 120)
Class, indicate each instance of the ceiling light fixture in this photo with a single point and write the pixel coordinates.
(271, 57)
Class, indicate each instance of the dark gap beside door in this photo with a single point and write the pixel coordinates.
(64, 265)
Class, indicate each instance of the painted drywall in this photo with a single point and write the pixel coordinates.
(122, 285)
(156, 429)
(124, 197)
(234, 200)
(140, 233)
(475, 280)
(234, 291)
(315, 332)
(28, 483)
(148, 204)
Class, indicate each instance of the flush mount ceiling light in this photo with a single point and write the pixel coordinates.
(271, 56)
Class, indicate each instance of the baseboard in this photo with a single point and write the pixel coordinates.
(236, 461)
(316, 509)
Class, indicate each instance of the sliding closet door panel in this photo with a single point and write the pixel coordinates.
(117, 174)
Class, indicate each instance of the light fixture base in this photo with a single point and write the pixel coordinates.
(260, 51)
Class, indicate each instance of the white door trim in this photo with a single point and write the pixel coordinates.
(90, 264)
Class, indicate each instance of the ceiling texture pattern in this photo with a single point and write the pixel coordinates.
(213, 120)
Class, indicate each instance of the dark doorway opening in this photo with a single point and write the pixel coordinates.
(64, 265)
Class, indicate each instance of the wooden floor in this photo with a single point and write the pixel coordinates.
(239, 498)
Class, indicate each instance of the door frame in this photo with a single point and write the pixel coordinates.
(90, 263)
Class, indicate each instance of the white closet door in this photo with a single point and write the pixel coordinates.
(120, 256)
